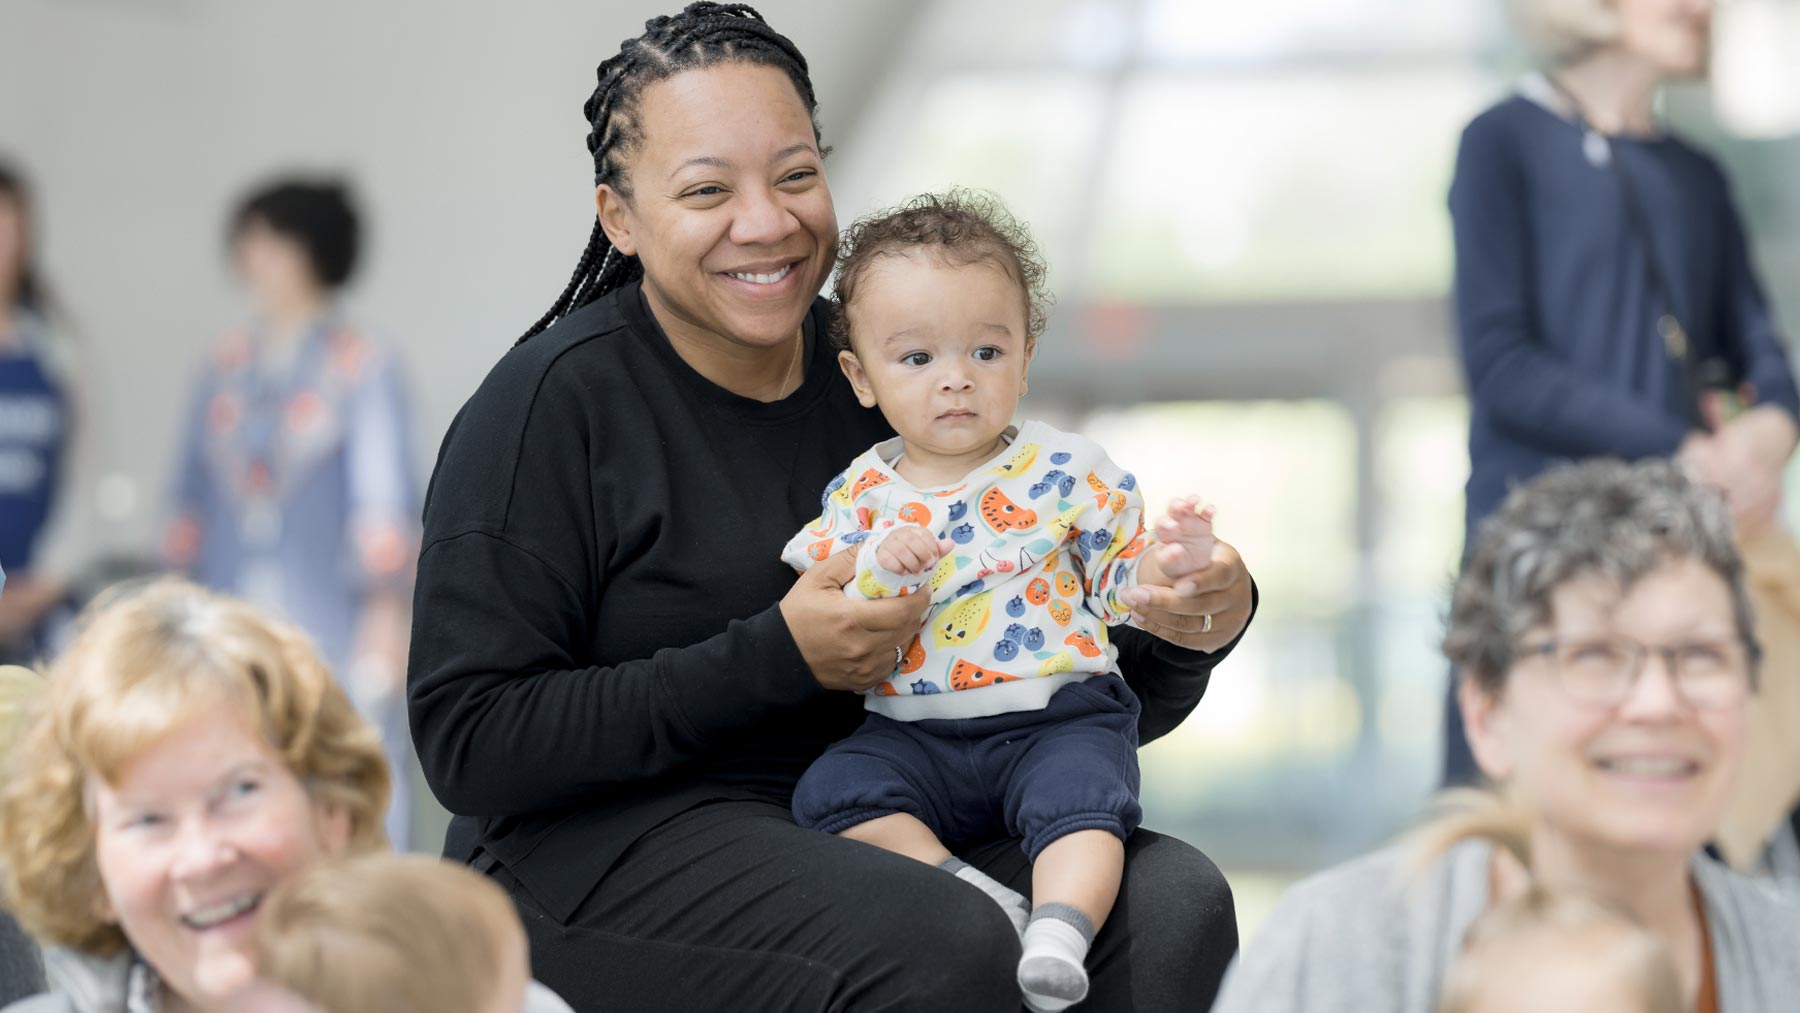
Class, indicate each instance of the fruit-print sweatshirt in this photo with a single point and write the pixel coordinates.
(1047, 534)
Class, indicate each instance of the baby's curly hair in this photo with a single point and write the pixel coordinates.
(962, 227)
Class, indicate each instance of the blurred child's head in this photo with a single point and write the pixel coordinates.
(295, 239)
(939, 307)
(1544, 952)
(396, 934)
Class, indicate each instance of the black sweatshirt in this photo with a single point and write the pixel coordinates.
(596, 639)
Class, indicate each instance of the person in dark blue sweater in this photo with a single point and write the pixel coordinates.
(1604, 291)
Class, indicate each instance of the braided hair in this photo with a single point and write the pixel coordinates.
(702, 35)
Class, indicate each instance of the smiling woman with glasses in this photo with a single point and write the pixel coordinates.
(1603, 671)
(1606, 656)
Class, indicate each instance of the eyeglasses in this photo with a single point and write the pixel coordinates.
(1600, 672)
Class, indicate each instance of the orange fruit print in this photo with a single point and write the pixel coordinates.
(915, 656)
(1003, 515)
(964, 675)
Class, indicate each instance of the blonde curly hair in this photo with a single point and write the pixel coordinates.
(145, 660)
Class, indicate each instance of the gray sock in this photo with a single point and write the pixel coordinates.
(1052, 974)
(1017, 909)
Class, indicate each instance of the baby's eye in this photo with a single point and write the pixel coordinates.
(916, 358)
(987, 353)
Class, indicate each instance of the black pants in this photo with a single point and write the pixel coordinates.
(733, 907)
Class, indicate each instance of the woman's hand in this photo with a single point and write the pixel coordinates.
(1179, 614)
(848, 642)
(1753, 451)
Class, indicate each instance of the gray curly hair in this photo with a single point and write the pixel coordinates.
(1604, 517)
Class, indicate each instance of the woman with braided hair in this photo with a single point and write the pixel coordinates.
(615, 682)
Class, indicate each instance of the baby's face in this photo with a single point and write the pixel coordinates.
(941, 349)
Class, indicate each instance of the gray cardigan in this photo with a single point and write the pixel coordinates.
(88, 984)
(1358, 937)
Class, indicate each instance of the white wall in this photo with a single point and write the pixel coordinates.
(142, 121)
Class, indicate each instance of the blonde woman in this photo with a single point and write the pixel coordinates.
(188, 756)
(1604, 644)
(1603, 281)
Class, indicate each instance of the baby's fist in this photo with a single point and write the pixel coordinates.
(910, 550)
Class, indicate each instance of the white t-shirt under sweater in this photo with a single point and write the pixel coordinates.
(1047, 534)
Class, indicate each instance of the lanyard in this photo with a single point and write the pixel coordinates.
(1668, 326)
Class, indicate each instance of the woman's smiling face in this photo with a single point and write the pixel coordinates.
(195, 832)
(1650, 772)
(728, 209)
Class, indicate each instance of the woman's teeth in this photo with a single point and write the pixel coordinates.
(761, 279)
(1649, 766)
(207, 917)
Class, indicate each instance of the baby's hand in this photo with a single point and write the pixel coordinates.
(1185, 539)
(911, 551)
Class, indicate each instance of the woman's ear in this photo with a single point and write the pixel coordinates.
(859, 380)
(1486, 723)
(615, 219)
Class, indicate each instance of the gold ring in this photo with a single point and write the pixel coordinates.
(1206, 624)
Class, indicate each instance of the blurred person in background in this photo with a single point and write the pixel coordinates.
(295, 488)
(616, 683)
(38, 540)
(188, 757)
(1603, 640)
(1604, 290)
(21, 968)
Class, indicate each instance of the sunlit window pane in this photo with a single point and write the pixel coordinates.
(1183, 29)
(1024, 137)
(1305, 185)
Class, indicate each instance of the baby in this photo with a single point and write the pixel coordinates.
(1544, 952)
(1007, 712)
(387, 933)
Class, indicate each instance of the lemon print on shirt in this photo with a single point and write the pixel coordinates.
(872, 588)
(961, 622)
(945, 568)
(1019, 461)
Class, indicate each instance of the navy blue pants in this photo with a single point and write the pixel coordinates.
(1036, 775)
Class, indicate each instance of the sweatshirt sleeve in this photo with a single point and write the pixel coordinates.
(1749, 326)
(508, 715)
(821, 539)
(508, 722)
(1110, 540)
(1524, 386)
